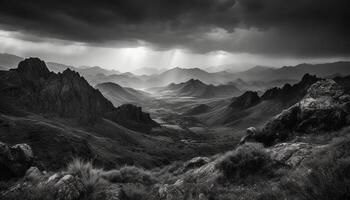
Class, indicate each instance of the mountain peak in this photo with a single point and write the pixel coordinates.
(246, 100)
(33, 68)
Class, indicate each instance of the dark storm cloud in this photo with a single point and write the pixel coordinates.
(299, 27)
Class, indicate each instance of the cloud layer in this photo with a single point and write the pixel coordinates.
(302, 28)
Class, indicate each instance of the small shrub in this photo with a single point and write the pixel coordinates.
(248, 160)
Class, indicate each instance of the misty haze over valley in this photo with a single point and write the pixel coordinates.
(174, 100)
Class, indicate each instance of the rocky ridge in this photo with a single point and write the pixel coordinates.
(324, 108)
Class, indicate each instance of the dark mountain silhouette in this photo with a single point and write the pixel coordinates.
(246, 100)
(288, 91)
(119, 95)
(34, 88)
(196, 88)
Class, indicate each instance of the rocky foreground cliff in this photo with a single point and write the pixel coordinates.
(302, 153)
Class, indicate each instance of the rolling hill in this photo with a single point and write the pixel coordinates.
(119, 95)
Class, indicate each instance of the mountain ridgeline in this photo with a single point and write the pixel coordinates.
(256, 78)
(196, 88)
(33, 88)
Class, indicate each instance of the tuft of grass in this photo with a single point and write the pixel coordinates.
(90, 176)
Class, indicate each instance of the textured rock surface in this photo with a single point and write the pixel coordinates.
(15, 160)
(293, 154)
(196, 162)
(324, 108)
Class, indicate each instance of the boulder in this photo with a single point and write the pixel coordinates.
(15, 160)
(33, 173)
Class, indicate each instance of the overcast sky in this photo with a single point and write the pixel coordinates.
(129, 34)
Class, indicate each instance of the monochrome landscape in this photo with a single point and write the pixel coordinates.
(174, 100)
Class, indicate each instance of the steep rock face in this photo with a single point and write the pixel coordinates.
(248, 99)
(324, 108)
(15, 160)
(33, 88)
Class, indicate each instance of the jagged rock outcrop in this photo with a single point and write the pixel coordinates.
(325, 107)
(288, 91)
(32, 87)
(15, 160)
(246, 100)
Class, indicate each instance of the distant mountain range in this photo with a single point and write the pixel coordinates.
(256, 78)
(196, 88)
(294, 72)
